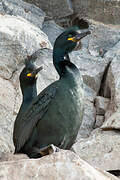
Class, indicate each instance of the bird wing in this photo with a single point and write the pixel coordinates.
(33, 114)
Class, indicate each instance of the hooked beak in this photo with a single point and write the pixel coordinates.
(35, 72)
(79, 36)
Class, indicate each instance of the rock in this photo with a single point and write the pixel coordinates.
(62, 165)
(99, 121)
(52, 30)
(103, 11)
(90, 94)
(12, 157)
(88, 120)
(92, 68)
(101, 105)
(18, 39)
(101, 149)
(113, 122)
(54, 8)
(113, 51)
(103, 38)
(28, 11)
(113, 82)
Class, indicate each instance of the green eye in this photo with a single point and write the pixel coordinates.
(70, 35)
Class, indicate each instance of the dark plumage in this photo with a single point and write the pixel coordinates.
(27, 80)
(55, 115)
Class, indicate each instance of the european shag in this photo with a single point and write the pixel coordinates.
(27, 80)
(55, 115)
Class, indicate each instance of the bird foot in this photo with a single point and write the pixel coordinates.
(50, 149)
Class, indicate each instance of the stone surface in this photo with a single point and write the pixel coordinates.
(28, 11)
(103, 11)
(99, 121)
(88, 120)
(62, 165)
(54, 8)
(103, 38)
(113, 81)
(18, 38)
(52, 30)
(12, 157)
(101, 149)
(92, 68)
(101, 105)
(113, 122)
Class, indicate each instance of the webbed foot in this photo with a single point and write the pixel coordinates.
(46, 150)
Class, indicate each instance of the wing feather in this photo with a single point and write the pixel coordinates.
(33, 114)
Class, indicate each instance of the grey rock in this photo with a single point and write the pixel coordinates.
(113, 51)
(113, 82)
(54, 8)
(1, 8)
(101, 105)
(62, 165)
(101, 149)
(52, 30)
(12, 157)
(18, 39)
(99, 121)
(103, 38)
(28, 11)
(88, 120)
(103, 11)
(113, 122)
(92, 68)
(90, 94)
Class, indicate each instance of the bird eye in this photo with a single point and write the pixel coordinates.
(70, 35)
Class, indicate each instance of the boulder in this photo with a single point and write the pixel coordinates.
(18, 39)
(88, 120)
(92, 68)
(113, 82)
(103, 11)
(52, 30)
(101, 105)
(98, 121)
(28, 11)
(63, 165)
(54, 8)
(113, 122)
(101, 149)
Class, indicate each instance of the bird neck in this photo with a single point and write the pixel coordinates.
(61, 61)
(29, 93)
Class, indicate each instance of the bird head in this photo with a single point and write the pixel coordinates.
(69, 40)
(29, 74)
(66, 42)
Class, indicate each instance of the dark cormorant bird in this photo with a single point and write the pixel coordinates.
(27, 80)
(55, 115)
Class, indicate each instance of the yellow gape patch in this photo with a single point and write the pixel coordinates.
(72, 39)
(29, 75)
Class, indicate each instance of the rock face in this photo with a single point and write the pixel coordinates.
(15, 44)
(103, 11)
(54, 8)
(101, 149)
(52, 30)
(28, 11)
(62, 165)
(24, 31)
(113, 122)
(101, 105)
